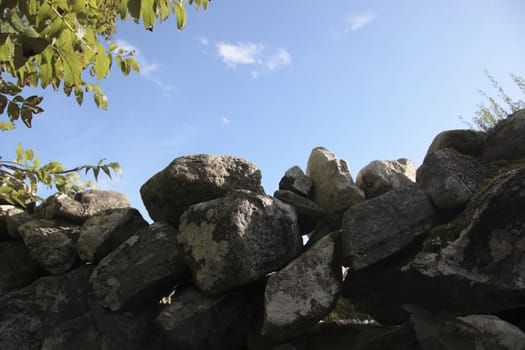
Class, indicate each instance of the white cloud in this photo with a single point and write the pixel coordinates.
(358, 21)
(204, 41)
(259, 56)
(225, 121)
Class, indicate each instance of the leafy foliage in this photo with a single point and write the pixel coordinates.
(67, 45)
(489, 114)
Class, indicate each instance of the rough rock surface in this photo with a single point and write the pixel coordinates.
(78, 333)
(333, 186)
(468, 142)
(450, 178)
(17, 267)
(399, 216)
(295, 180)
(28, 315)
(302, 293)
(84, 204)
(194, 179)
(148, 262)
(381, 176)
(194, 320)
(488, 332)
(505, 141)
(308, 212)
(51, 243)
(105, 231)
(13, 219)
(237, 239)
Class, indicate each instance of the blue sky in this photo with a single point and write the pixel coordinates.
(270, 80)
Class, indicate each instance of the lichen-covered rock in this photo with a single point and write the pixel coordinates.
(78, 333)
(469, 142)
(302, 293)
(381, 176)
(17, 268)
(28, 315)
(193, 320)
(105, 231)
(237, 239)
(193, 179)
(333, 186)
(382, 226)
(308, 212)
(145, 265)
(450, 178)
(51, 243)
(505, 141)
(296, 181)
(84, 205)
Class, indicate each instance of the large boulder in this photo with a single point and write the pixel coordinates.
(79, 334)
(105, 231)
(488, 332)
(505, 141)
(464, 141)
(193, 320)
(302, 293)
(144, 265)
(382, 226)
(193, 179)
(450, 178)
(333, 186)
(82, 206)
(30, 314)
(308, 212)
(381, 176)
(237, 239)
(296, 181)
(51, 243)
(13, 217)
(17, 268)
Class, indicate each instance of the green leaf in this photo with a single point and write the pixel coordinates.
(27, 116)
(102, 62)
(134, 9)
(4, 126)
(3, 103)
(13, 111)
(112, 47)
(79, 95)
(19, 153)
(147, 12)
(180, 13)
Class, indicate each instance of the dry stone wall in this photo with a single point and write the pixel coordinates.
(433, 259)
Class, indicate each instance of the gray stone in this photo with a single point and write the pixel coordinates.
(237, 239)
(308, 212)
(382, 226)
(17, 268)
(450, 178)
(505, 141)
(333, 186)
(302, 293)
(78, 334)
(28, 315)
(148, 262)
(488, 332)
(15, 217)
(381, 176)
(468, 142)
(84, 205)
(193, 179)
(296, 181)
(51, 243)
(105, 231)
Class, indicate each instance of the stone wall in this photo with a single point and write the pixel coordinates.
(426, 259)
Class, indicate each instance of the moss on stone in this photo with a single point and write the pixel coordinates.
(440, 236)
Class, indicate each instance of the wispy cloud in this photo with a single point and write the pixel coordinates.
(225, 121)
(260, 57)
(358, 21)
(204, 41)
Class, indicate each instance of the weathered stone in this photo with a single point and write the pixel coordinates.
(333, 186)
(450, 178)
(468, 142)
(28, 315)
(51, 243)
(488, 332)
(381, 176)
(308, 212)
(145, 265)
(17, 268)
(106, 230)
(382, 226)
(302, 293)
(194, 179)
(237, 239)
(15, 217)
(78, 334)
(197, 321)
(84, 205)
(296, 181)
(505, 141)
